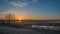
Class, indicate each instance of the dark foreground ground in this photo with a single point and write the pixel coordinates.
(7, 28)
(10, 30)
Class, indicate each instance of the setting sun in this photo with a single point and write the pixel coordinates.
(20, 18)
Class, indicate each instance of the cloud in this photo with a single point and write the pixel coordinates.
(20, 3)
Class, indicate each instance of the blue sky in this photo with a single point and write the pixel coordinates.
(35, 9)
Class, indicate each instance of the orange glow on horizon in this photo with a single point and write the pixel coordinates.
(26, 17)
(23, 19)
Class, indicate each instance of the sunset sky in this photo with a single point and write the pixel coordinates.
(31, 9)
